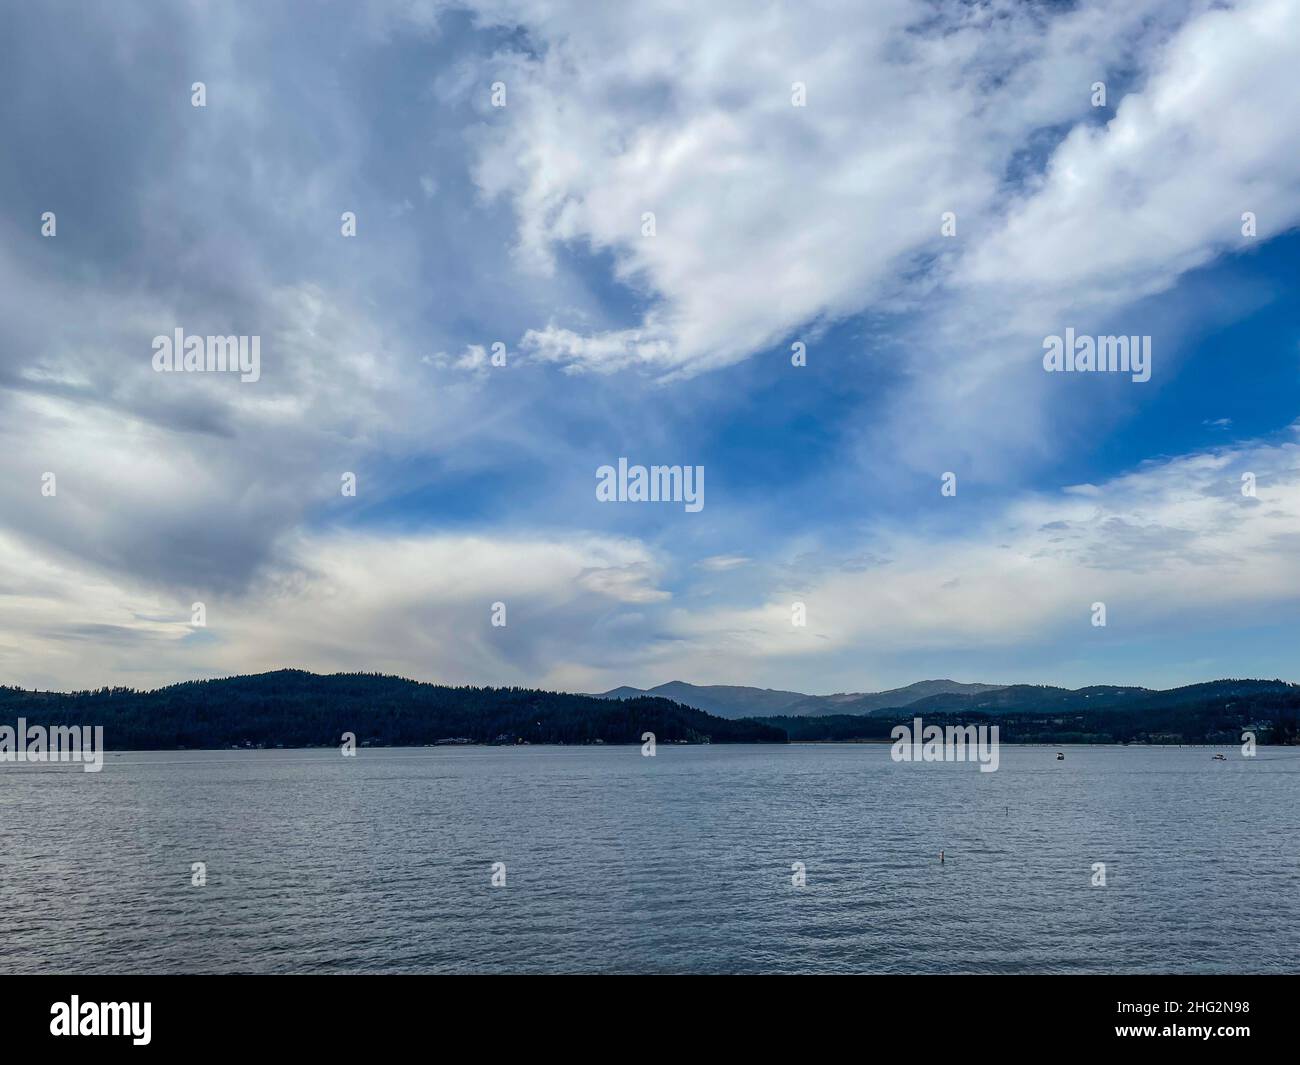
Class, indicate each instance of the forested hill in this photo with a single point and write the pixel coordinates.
(293, 708)
(1214, 712)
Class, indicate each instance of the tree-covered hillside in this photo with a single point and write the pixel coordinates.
(292, 708)
(297, 709)
(1214, 712)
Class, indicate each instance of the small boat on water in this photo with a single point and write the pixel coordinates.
(1060, 756)
(1220, 757)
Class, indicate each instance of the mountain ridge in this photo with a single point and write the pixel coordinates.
(735, 701)
(295, 708)
(738, 701)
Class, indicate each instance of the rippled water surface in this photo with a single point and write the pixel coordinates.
(681, 862)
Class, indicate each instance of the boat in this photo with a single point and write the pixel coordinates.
(1060, 757)
(1220, 757)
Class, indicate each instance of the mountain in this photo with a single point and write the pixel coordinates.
(1035, 698)
(871, 701)
(1019, 697)
(732, 701)
(298, 709)
(293, 708)
(1213, 712)
(722, 700)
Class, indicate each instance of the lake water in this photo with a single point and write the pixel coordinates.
(677, 863)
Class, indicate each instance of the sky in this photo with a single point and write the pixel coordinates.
(649, 211)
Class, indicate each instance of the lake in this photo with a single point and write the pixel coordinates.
(615, 862)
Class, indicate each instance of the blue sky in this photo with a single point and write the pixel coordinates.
(774, 224)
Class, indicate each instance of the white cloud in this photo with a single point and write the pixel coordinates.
(1171, 547)
(771, 217)
(1124, 209)
(1174, 544)
(722, 563)
(415, 605)
(773, 221)
(1121, 212)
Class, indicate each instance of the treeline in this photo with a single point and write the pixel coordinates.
(1033, 698)
(1200, 717)
(292, 708)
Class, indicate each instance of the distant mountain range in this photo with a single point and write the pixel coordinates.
(733, 702)
(1216, 711)
(293, 708)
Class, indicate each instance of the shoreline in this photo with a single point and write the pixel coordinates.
(632, 743)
